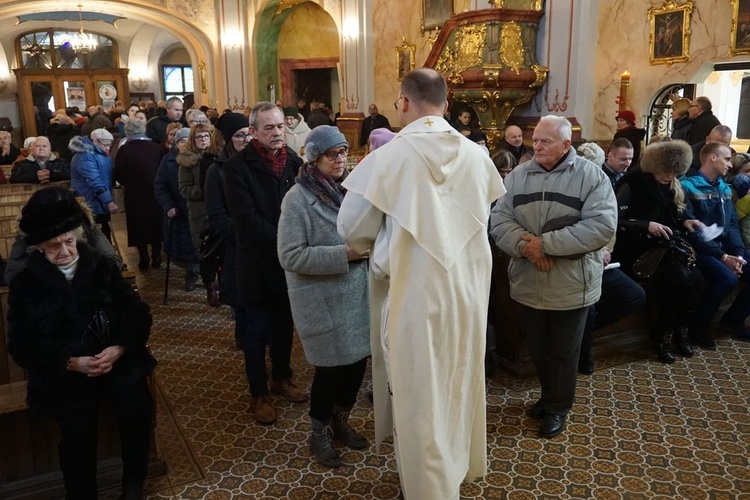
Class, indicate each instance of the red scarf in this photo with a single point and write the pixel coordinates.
(276, 161)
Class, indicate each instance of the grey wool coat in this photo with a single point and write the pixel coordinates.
(328, 294)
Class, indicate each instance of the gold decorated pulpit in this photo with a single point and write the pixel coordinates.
(488, 58)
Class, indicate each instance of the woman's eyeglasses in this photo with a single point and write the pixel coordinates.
(202, 137)
(241, 136)
(332, 155)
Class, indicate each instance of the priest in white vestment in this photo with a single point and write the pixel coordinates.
(421, 204)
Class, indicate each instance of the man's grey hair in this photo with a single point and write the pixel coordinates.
(426, 86)
(133, 126)
(261, 107)
(563, 126)
(173, 100)
(724, 131)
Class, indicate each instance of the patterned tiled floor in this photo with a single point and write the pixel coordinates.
(639, 429)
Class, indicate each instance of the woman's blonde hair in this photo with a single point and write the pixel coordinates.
(681, 106)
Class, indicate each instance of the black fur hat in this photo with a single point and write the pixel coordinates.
(50, 212)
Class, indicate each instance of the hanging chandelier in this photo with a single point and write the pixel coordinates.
(83, 42)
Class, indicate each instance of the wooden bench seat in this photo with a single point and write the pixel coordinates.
(13, 397)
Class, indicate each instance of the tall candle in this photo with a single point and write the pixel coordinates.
(624, 85)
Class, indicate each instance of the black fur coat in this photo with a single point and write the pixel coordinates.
(49, 319)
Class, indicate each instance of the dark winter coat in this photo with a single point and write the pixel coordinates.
(25, 171)
(168, 195)
(91, 174)
(701, 127)
(59, 137)
(12, 156)
(640, 200)
(221, 222)
(254, 196)
(369, 124)
(156, 128)
(191, 177)
(681, 128)
(136, 166)
(47, 320)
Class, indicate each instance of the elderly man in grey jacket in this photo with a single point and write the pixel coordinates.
(556, 217)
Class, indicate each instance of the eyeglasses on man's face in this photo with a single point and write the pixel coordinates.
(332, 155)
(397, 101)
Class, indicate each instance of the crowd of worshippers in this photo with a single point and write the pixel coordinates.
(300, 243)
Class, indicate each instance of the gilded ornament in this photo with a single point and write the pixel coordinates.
(203, 75)
(491, 75)
(498, 4)
(469, 45)
(536, 5)
(541, 75)
(713, 78)
(511, 46)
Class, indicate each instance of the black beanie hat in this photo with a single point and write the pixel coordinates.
(50, 212)
(229, 123)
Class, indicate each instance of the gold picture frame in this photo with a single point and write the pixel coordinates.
(435, 13)
(405, 58)
(739, 42)
(669, 40)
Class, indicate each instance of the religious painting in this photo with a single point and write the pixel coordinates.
(435, 13)
(740, 39)
(669, 41)
(405, 58)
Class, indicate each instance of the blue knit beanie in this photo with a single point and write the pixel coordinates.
(741, 183)
(321, 139)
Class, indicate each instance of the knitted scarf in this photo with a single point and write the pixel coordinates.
(324, 187)
(277, 162)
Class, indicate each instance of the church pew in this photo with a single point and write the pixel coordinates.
(627, 335)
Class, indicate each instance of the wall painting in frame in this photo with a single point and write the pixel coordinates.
(739, 42)
(405, 58)
(669, 40)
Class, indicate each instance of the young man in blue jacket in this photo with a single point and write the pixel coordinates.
(723, 260)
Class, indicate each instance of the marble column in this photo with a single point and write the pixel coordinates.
(566, 47)
(233, 55)
(356, 71)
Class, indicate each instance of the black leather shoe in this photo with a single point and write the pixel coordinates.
(703, 340)
(738, 332)
(552, 425)
(585, 367)
(537, 411)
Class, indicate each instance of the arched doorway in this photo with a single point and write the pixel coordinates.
(296, 45)
(659, 119)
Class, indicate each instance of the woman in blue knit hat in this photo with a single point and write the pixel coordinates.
(328, 292)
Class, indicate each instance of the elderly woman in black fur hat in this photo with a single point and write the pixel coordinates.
(80, 331)
(651, 246)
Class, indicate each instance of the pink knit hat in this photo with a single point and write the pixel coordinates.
(380, 137)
